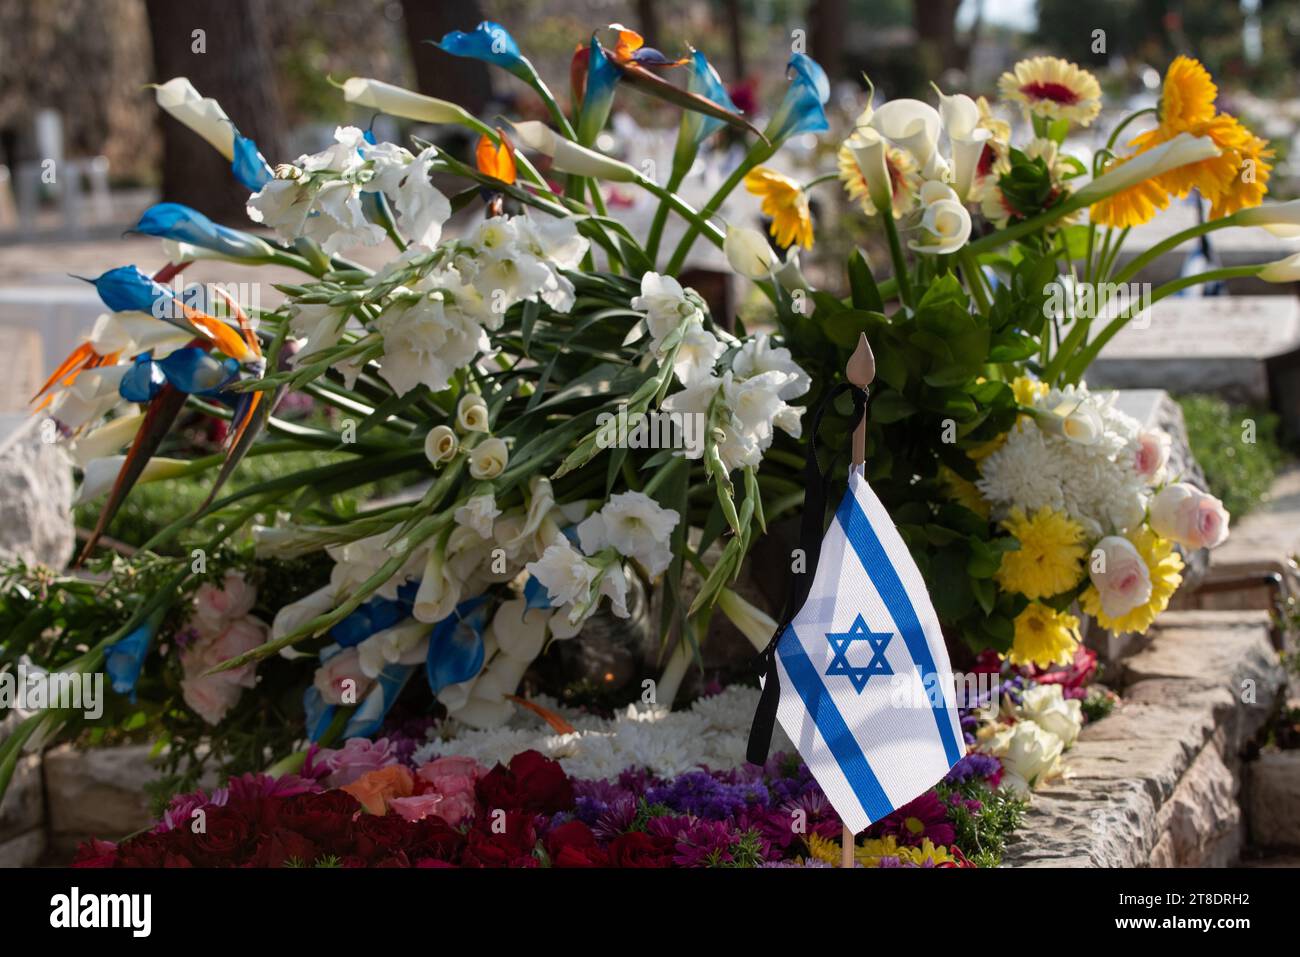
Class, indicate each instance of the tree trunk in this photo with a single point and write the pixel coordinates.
(829, 22)
(736, 39)
(936, 33)
(648, 21)
(458, 79)
(231, 62)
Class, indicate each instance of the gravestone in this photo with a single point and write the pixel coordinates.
(35, 495)
(1245, 348)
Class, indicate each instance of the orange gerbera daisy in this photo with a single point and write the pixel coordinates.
(785, 201)
(1129, 207)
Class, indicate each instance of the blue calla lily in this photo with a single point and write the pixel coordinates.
(183, 224)
(456, 648)
(704, 81)
(127, 289)
(370, 714)
(535, 594)
(249, 165)
(373, 616)
(142, 381)
(803, 109)
(124, 659)
(598, 94)
(489, 42)
(317, 714)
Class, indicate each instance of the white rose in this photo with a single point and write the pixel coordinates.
(1188, 516)
(1047, 706)
(1030, 754)
(1121, 577)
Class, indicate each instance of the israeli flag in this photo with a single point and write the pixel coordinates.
(866, 691)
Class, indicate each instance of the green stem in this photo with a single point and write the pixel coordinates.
(661, 217)
(758, 153)
(1166, 245)
(900, 264)
(974, 281)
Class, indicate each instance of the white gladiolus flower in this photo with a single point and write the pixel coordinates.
(749, 253)
(421, 208)
(355, 562)
(697, 355)
(1282, 270)
(635, 526)
(568, 157)
(565, 574)
(758, 355)
(297, 613)
(478, 513)
(472, 413)
(101, 473)
(204, 115)
(488, 459)
(665, 304)
(1182, 150)
(427, 339)
(317, 326)
(395, 101)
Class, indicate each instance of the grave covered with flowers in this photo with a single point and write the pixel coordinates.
(369, 684)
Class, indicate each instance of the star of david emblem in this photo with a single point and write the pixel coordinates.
(840, 641)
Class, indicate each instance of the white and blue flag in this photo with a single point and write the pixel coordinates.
(865, 686)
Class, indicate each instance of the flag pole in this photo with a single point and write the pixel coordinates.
(860, 371)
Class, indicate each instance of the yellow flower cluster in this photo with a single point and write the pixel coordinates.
(1165, 566)
(1235, 179)
(869, 852)
(1044, 637)
(1050, 558)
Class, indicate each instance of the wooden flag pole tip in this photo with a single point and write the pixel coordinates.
(861, 371)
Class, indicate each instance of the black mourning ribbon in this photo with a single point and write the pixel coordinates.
(811, 529)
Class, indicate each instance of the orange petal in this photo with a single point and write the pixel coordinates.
(242, 426)
(629, 41)
(226, 339)
(556, 722)
(496, 159)
(82, 357)
(246, 327)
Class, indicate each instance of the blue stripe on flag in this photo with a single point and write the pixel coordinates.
(876, 563)
(843, 745)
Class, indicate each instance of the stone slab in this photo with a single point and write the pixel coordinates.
(1274, 785)
(1236, 346)
(97, 792)
(23, 806)
(23, 850)
(35, 495)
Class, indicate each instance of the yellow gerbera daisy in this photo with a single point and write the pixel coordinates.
(1187, 97)
(1165, 566)
(1249, 183)
(786, 203)
(1050, 558)
(1044, 637)
(1053, 88)
(904, 179)
(963, 492)
(1129, 207)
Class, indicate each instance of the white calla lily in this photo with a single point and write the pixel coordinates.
(868, 148)
(395, 101)
(749, 252)
(946, 226)
(913, 125)
(568, 157)
(1283, 270)
(101, 473)
(1280, 219)
(202, 114)
(1180, 151)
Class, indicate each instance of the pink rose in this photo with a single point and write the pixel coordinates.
(1121, 577)
(341, 680)
(215, 607)
(418, 806)
(453, 779)
(211, 698)
(1188, 516)
(357, 757)
(1152, 454)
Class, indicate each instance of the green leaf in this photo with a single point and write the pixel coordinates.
(889, 407)
(864, 292)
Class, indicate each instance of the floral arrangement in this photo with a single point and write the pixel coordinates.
(512, 373)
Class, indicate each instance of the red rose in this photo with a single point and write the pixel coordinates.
(393, 859)
(433, 838)
(148, 850)
(377, 836)
(280, 845)
(512, 848)
(637, 849)
(324, 818)
(225, 838)
(96, 853)
(531, 783)
(574, 845)
(432, 862)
